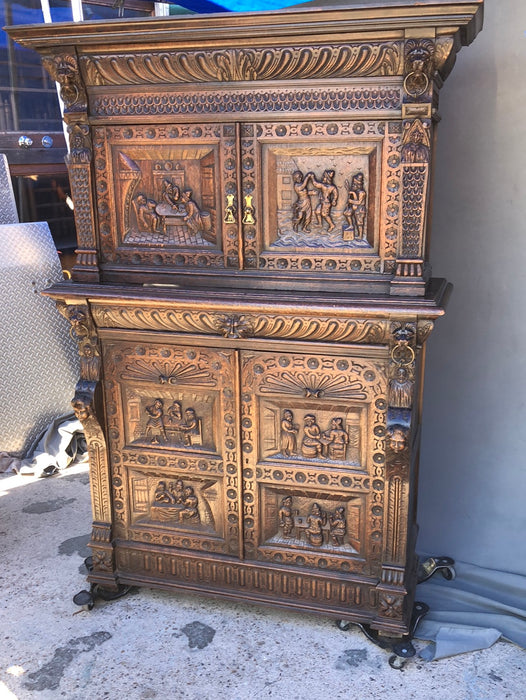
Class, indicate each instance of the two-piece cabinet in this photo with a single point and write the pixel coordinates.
(252, 294)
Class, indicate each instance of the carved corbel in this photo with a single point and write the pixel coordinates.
(64, 69)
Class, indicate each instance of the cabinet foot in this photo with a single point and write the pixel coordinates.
(86, 599)
(401, 647)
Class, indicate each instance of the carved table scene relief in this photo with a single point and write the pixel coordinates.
(299, 432)
(183, 420)
(321, 197)
(179, 503)
(168, 195)
(314, 521)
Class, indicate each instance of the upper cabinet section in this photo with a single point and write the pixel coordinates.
(285, 150)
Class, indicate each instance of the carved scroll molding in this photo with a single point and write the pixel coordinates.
(234, 326)
(87, 409)
(233, 65)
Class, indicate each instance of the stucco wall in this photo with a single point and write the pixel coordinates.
(473, 473)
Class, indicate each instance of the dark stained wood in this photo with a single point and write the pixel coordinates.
(252, 294)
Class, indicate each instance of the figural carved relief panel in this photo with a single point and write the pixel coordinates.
(329, 193)
(174, 190)
(313, 481)
(173, 442)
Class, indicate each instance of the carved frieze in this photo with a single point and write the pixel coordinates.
(203, 102)
(262, 325)
(232, 65)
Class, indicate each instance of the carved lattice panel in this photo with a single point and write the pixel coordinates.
(313, 460)
(173, 439)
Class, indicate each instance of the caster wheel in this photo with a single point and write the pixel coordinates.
(84, 599)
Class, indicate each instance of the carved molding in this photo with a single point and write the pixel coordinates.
(378, 98)
(233, 65)
(243, 325)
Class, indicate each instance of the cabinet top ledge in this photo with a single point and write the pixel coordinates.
(388, 18)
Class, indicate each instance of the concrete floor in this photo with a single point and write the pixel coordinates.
(153, 644)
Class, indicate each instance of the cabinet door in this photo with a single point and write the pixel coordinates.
(172, 417)
(313, 460)
(325, 196)
(162, 192)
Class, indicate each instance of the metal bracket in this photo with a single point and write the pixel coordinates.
(86, 599)
(430, 566)
(401, 647)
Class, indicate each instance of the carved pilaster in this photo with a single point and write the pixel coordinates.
(88, 409)
(80, 177)
(419, 67)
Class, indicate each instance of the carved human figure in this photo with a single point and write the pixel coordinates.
(190, 502)
(401, 389)
(315, 522)
(415, 150)
(397, 438)
(302, 207)
(338, 526)
(191, 428)
(170, 193)
(155, 424)
(162, 494)
(286, 516)
(289, 431)
(79, 152)
(356, 210)
(328, 197)
(311, 445)
(147, 217)
(177, 491)
(192, 218)
(336, 439)
(175, 414)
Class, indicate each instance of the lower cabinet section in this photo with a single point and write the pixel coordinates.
(266, 470)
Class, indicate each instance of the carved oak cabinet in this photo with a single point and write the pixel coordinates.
(252, 294)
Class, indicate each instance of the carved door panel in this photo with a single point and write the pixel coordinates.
(163, 194)
(172, 417)
(313, 460)
(322, 196)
